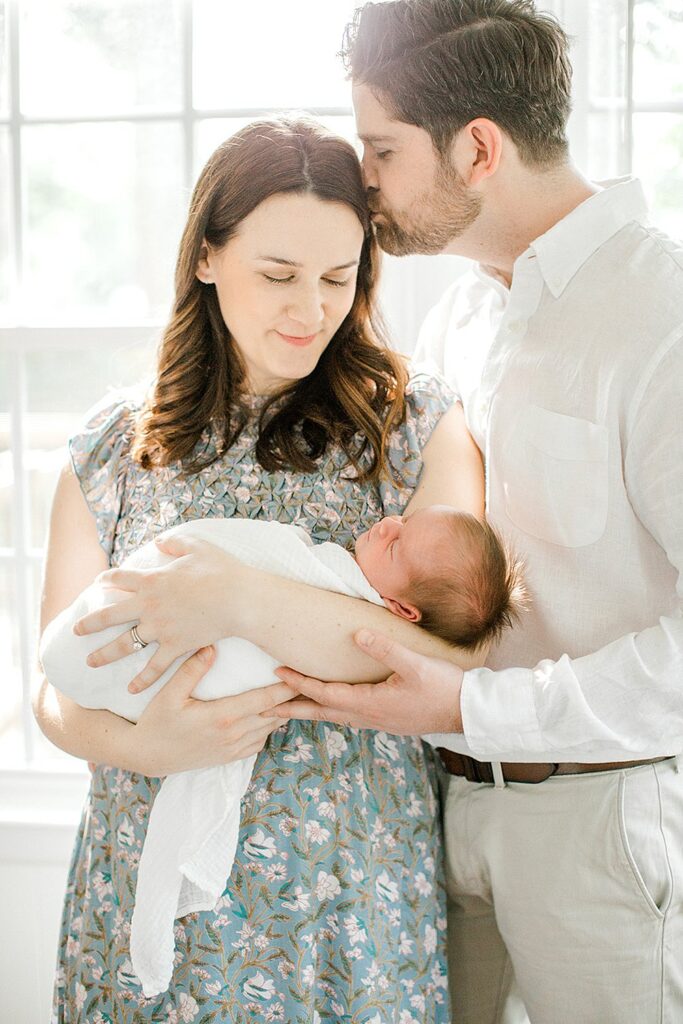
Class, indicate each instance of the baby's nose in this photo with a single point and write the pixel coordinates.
(388, 525)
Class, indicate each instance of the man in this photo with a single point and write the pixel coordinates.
(565, 345)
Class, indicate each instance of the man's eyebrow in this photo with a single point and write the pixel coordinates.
(290, 263)
(374, 139)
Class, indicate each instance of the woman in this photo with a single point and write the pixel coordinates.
(274, 398)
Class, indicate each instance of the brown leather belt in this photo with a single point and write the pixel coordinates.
(482, 771)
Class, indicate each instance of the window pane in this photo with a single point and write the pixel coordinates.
(100, 56)
(6, 469)
(606, 36)
(104, 210)
(658, 52)
(658, 161)
(5, 197)
(4, 61)
(268, 53)
(606, 151)
(11, 738)
(61, 388)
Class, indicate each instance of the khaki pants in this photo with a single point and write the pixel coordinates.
(573, 888)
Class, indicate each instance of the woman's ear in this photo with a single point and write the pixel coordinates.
(404, 611)
(204, 273)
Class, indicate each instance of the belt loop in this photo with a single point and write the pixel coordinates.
(498, 777)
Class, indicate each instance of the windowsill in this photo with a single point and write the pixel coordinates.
(42, 796)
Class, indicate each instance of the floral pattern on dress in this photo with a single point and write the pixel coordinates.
(335, 907)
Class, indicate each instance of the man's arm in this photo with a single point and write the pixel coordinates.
(617, 703)
(625, 699)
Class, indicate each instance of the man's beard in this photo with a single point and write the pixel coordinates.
(441, 215)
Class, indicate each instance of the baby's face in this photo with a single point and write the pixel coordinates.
(394, 548)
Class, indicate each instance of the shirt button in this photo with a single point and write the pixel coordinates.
(516, 326)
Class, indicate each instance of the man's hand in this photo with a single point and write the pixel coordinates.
(422, 695)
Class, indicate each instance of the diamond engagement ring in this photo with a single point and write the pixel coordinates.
(138, 644)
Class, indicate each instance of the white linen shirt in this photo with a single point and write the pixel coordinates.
(572, 384)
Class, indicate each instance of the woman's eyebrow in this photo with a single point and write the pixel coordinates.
(291, 263)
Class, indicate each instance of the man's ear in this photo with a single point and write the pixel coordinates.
(477, 150)
(204, 272)
(405, 611)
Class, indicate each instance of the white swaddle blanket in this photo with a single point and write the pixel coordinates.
(193, 827)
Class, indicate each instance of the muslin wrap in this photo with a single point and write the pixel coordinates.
(193, 828)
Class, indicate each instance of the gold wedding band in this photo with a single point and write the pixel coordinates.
(138, 644)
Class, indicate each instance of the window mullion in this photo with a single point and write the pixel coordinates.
(22, 559)
(628, 127)
(16, 224)
(188, 112)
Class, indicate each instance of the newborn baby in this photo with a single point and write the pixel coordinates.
(439, 567)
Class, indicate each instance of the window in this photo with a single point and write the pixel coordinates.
(108, 109)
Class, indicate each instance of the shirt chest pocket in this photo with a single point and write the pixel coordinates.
(555, 477)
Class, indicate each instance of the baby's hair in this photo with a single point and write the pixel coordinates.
(478, 591)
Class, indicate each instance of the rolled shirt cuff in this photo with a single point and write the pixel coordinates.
(499, 714)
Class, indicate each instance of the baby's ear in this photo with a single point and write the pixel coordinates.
(404, 611)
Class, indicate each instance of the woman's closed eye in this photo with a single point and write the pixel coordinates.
(337, 284)
(278, 280)
(288, 280)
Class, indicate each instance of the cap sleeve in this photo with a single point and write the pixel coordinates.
(99, 454)
(428, 397)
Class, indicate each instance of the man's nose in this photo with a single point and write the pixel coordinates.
(369, 174)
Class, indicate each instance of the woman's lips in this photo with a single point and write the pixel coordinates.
(293, 339)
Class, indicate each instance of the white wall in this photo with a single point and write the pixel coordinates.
(410, 286)
(39, 813)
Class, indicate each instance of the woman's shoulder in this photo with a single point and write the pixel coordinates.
(428, 397)
(111, 418)
(99, 452)
(107, 428)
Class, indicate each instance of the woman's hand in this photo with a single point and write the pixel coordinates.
(177, 732)
(182, 606)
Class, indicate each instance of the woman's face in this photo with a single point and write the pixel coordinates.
(285, 282)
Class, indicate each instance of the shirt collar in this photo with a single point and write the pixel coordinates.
(563, 249)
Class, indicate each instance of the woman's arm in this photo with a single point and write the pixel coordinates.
(452, 468)
(205, 595)
(175, 732)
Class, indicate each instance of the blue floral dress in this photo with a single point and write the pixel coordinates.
(334, 910)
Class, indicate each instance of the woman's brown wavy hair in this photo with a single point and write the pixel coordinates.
(356, 394)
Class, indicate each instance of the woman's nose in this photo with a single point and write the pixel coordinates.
(306, 307)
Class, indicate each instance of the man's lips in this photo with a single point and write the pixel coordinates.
(298, 340)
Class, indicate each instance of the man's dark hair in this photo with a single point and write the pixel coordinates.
(439, 64)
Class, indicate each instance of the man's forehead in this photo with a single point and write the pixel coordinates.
(372, 119)
(375, 126)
